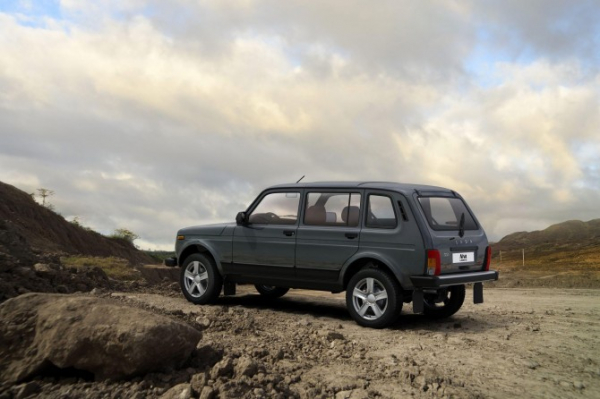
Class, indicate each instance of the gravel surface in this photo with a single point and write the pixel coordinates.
(535, 343)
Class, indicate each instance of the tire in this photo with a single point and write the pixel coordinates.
(362, 294)
(200, 280)
(444, 304)
(270, 291)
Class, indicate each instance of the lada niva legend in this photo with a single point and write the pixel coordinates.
(382, 243)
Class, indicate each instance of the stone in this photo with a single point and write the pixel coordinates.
(198, 382)
(532, 364)
(99, 335)
(246, 366)
(333, 335)
(343, 395)
(578, 385)
(42, 267)
(203, 322)
(222, 368)
(180, 391)
(207, 393)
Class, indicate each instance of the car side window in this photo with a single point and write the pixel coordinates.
(332, 209)
(276, 208)
(381, 213)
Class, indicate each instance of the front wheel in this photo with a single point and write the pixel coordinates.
(373, 298)
(200, 280)
(445, 302)
(270, 291)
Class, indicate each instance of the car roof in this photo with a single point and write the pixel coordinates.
(403, 188)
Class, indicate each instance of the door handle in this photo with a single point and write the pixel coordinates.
(351, 236)
(288, 233)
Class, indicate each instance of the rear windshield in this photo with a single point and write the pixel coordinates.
(443, 213)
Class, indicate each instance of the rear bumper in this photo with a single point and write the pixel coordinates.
(453, 279)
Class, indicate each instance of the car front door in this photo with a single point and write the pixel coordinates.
(328, 234)
(266, 245)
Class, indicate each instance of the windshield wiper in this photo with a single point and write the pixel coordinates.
(461, 226)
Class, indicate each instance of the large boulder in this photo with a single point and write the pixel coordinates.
(102, 336)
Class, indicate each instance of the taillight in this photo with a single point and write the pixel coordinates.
(434, 262)
(488, 258)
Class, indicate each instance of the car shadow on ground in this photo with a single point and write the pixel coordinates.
(318, 307)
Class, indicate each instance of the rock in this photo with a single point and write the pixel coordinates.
(532, 364)
(180, 391)
(222, 368)
(333, 335)
(102, 336)
(246, 366)
(207, 355)
(343, 395)
(207, 393)
(578, 385)
(198, 382)
(42, 267)
(203, 322)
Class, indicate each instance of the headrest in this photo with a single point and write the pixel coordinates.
(315, 215)
(350, 215)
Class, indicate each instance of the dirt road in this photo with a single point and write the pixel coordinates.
(535, 343)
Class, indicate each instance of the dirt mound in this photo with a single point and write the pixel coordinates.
(48, 232)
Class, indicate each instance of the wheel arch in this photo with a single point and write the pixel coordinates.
(358, 262)
(199, 247)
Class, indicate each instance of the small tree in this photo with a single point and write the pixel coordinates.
(45, 193)
(125, 234)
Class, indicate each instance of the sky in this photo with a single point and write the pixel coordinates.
(153, 115)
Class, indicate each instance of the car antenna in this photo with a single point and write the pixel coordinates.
(300, 179)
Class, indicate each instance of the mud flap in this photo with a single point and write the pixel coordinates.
(229, 288)
(418, 302)
(478, 293)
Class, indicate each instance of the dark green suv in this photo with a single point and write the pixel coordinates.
(385, 244)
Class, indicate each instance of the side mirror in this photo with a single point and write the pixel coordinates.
(241, 219)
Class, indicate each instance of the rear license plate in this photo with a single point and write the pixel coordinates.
(463, 257)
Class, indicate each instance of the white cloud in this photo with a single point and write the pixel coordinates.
(152, 116)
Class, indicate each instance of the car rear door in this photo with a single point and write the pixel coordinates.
(328, 233)
(454, 231)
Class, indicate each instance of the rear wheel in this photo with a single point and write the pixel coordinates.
(373, 298)
(200, 280)
(445, 302)
(271, 291)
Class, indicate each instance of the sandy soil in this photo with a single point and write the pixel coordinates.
(536, 343)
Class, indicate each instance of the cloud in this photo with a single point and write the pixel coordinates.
(152, 116)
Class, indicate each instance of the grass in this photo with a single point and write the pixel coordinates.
(558, 267)
(116, 268)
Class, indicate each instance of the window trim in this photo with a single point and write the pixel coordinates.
(368, 203)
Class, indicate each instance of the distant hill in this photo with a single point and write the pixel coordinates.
(47, 232)
(565, 255)
(572, 233)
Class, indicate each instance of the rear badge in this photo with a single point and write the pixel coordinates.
(463, 257)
